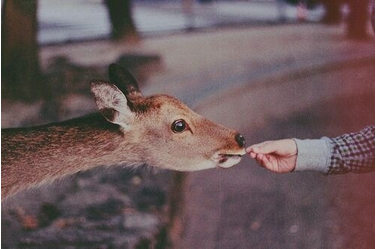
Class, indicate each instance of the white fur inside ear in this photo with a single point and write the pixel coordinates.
(112, 103)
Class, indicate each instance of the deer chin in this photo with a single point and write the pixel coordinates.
(228, 160)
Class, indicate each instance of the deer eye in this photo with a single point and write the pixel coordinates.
(179, 126)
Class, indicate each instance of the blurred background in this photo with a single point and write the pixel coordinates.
(270, 69)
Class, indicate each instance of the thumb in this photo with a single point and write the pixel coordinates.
(266, 147)
(282, 147)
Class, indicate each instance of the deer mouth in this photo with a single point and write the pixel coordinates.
(228, 160)
(227, 156)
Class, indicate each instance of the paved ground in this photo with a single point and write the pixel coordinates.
(295, 81)
(271, 82)
(248, 207)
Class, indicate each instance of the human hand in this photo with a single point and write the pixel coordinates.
(277, 156)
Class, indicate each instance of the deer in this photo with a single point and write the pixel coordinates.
(129, 129)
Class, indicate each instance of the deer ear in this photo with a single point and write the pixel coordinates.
(112, 104)
(124, 80)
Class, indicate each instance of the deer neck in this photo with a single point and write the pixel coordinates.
(35, 155)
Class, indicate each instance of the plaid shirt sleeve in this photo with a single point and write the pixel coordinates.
(353, 152)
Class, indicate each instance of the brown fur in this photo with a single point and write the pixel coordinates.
(33, 155)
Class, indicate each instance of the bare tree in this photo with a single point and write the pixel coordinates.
(21, 77)
(120, 13)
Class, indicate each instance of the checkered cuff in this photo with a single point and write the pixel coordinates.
(353, 152)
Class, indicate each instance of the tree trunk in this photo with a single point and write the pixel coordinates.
(21, 78)
(120, 13)
(333, 13)
(358, 19)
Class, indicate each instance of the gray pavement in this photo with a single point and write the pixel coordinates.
(293, 81)
(248, 207)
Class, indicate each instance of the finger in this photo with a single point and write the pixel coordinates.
(252, 155)
(268, 163)
(260, 159)
(266, 147)
(267, 159)
(248, 149)
(279, 147)
(257, 158)
(255, 147)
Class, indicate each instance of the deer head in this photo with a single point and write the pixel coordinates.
(164, 131)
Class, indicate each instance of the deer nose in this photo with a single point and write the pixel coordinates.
(240, 140)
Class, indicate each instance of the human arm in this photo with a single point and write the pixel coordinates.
(353, 152)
